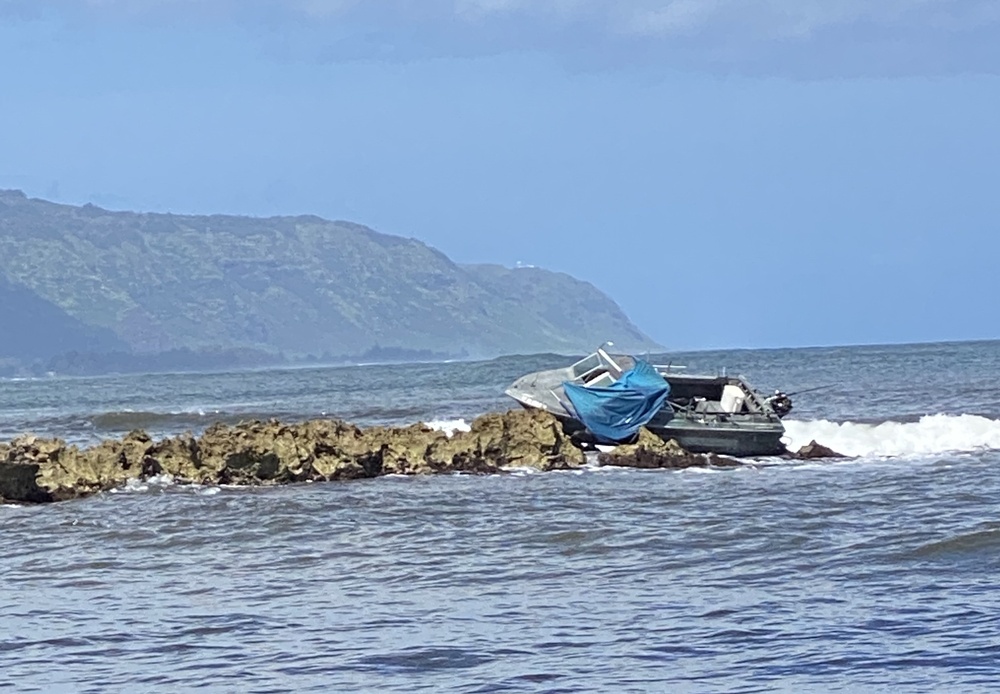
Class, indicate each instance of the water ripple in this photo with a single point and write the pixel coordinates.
(875, 575)
(825, 578)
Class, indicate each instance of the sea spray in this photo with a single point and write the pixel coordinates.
(931, 434)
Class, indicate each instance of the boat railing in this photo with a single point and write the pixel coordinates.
(616, 370)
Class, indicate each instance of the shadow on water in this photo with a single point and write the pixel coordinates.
(422, 660)
(979, 546)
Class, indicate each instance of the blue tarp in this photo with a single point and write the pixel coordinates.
(618, 411)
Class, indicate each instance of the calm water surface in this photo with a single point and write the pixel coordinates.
(874, 574)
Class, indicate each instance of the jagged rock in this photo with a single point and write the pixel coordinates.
(31, 448)
(178, 457)
(816, 450)
(339, 451)
(460, 453)
(525, 438)
(256, 452)
(19, 479)
(650, 451)
(108, 465)
(253, 453)
(31, 463)
(400, 451)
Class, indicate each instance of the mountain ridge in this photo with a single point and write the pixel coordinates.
(295, 285)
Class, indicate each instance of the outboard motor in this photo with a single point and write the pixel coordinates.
(780, 403)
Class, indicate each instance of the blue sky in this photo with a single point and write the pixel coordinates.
(735, 173)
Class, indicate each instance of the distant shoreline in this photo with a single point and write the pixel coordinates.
(184, 361)
(203, 361)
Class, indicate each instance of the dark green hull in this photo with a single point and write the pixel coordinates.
(722, 438)
(718, 437)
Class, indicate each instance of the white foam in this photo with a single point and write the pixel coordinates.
(520, 470)
(449, 426)
(132, 485)
(939, 433)
(136, 485)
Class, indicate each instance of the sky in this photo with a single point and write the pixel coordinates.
(734, 173)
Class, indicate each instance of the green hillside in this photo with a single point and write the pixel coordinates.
(296, 285)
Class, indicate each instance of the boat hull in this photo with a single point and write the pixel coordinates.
(736, 440)
(740, 442)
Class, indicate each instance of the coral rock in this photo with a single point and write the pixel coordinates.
(650, 451)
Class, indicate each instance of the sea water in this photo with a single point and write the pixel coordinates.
(874, 573)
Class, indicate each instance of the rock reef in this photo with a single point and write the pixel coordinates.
(649, 451)
(813, 450)
(38, 470)
(34, 469)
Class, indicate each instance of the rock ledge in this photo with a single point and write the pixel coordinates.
(38, 470)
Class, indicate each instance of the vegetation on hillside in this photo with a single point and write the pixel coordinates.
(93, 281)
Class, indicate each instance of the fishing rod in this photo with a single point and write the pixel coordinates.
(781, 403)
(810, 390)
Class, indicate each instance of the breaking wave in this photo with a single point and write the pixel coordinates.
(448, 426)
(930, 434)
(196, 419)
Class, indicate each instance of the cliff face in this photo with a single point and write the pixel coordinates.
(34, 328)
(300, 285)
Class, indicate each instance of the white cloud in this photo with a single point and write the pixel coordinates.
(793, 37)
(672, 18)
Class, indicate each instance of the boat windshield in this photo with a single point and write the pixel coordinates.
(586, 365)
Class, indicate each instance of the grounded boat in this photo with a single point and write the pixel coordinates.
(609, 397)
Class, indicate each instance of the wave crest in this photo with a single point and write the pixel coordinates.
(939, 433)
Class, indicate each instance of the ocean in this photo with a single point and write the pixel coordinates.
(869, 574)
